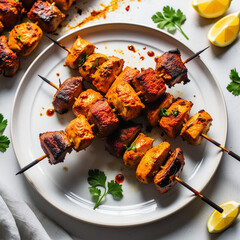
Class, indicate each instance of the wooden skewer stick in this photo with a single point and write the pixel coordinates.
(31, 164)
(195, 55)
(49, 82)
(206, 200)
(60, 45)
(220, 146)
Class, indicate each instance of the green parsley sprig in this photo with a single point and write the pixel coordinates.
(234, 85)
(82, 59)
(4, 141)
(131, 147)
(170, 19)
(97, 178)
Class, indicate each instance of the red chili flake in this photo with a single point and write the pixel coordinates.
(127, 8)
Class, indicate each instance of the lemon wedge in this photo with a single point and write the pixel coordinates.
(217, 222)
(225, 31)
(211, 8)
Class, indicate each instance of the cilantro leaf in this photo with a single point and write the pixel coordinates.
(174, 113)
(234, 85)
(96, 178)
(115, 189)
(4, 143)
(3, 124)
(95, 64)
(163, 112)
(131, 147)
(170, 19)
(82, 60)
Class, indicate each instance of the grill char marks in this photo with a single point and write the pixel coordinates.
(65, 97)
(55, 145)
(164, 180)
(171, 67)
(116, 143)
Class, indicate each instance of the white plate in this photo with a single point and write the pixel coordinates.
(68, 190)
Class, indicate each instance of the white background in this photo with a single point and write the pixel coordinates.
(189, 222)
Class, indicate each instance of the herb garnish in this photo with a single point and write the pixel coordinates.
(4, 141)
(97, 178)
(19, 38)
(170, 19)
(234, 86)
(163, 112)
(131, 147)
(174, 113)
(83, 59)
(95, 64)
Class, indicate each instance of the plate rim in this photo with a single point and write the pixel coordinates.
(108, 25)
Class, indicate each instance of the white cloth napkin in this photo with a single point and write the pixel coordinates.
(17, 220)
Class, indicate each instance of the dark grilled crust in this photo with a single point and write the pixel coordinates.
(165, 178)
(124, 136)
(56, 145)
(149, 84)
(9, 62)
(172, 68)
(10, 12)
(47, 16)
(101, 114)
(64, 98)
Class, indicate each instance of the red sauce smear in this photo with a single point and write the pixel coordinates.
(50, 112)
(155, 59)
(127, 8)
(131, 48)
(150, 53)
(142, 58)
(119, 178)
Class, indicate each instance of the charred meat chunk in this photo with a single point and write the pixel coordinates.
(79, 132)
(151, 162)
(165, 178)
(152, 110)
(24, 38)
(90, 66)
(79, 53)
(63, 4)
(171, 68)
(56, 145)
(101, 114)
(123, 97)
(107, 73)
(9, 62)
(28, 3)
(117, 142)
(65, 96)
(47, 15)
(176, 115)
(128, 74)
(10, 12)
(199, 123)
(150, 86)
(84, 101)
(137, 150)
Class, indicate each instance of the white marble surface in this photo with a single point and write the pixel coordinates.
(189, 222)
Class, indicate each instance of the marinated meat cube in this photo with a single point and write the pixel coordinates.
(79, 132)
(1, 27)
(123, 97)
(171, 68)
(66, 94)
(80, 51)
(90, 66)
(101, 114)
(107, 73)
(128, 74)
(151, 162)
(63, 4)
(24, 38)
(178, 114)
(47, 15)
(10, 12)
(199, 123)
(152, 110)
(117, 142)
(9, 62)
(150, 86)
(165, 178)
(55, 145)
(84, 101)
(137, 150)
